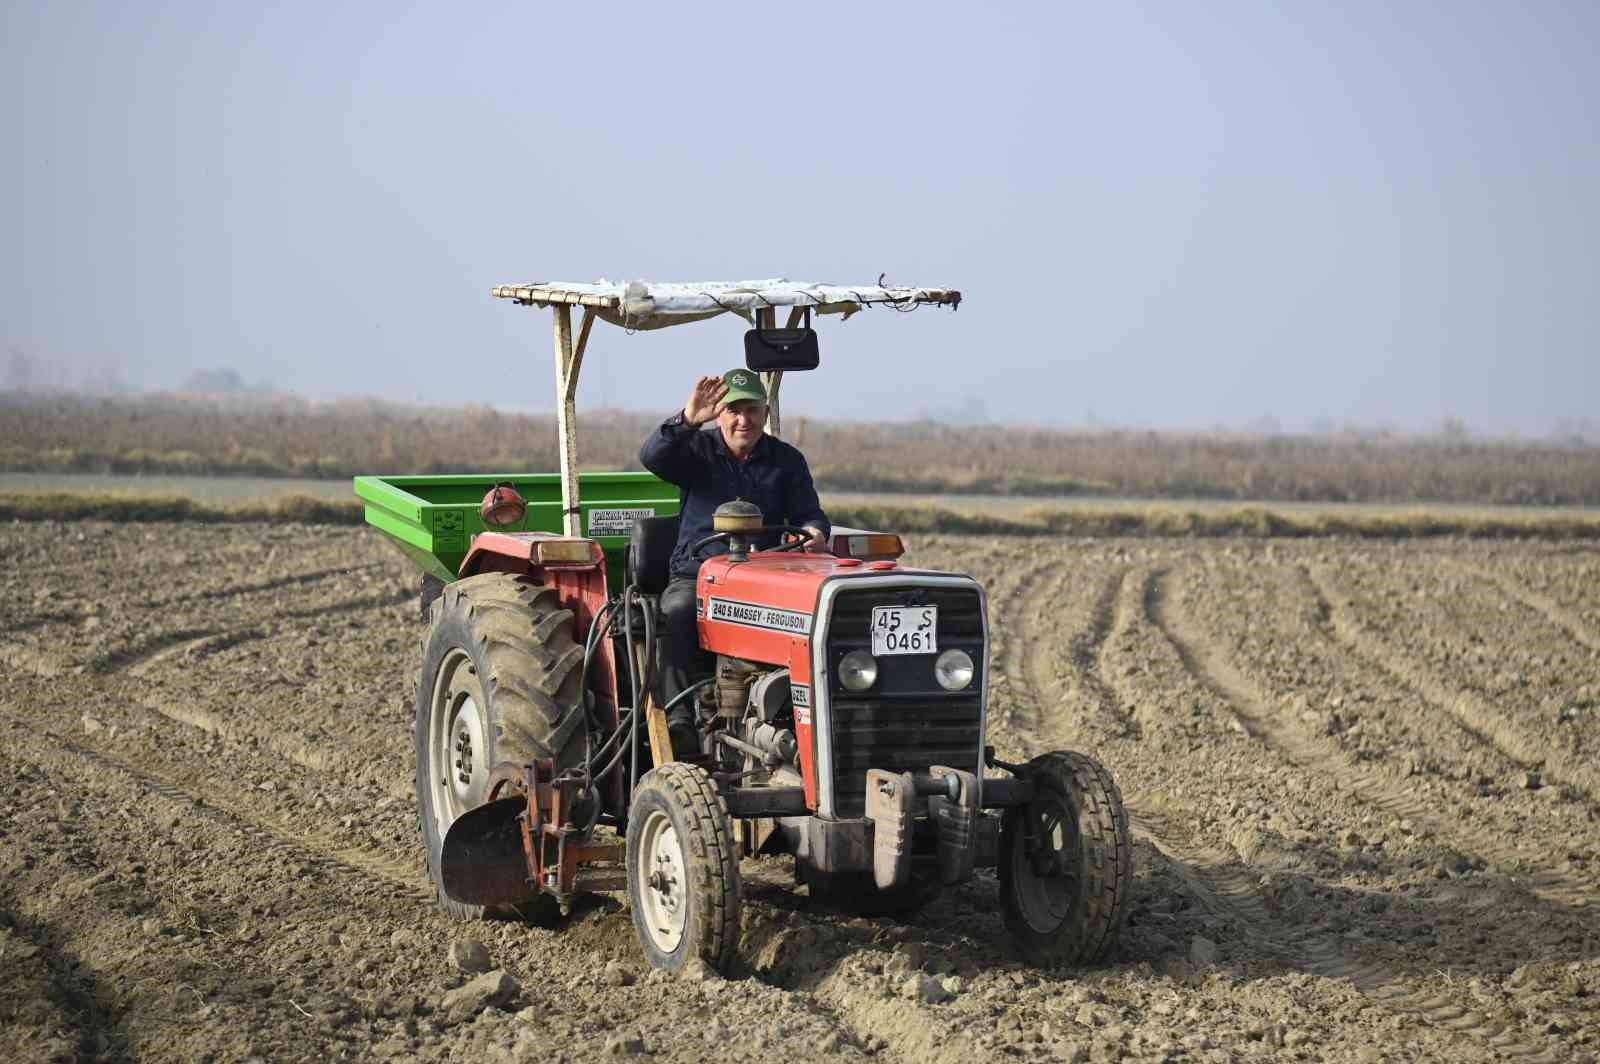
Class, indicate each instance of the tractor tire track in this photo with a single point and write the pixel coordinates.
(1229, 891)
(1216, 877)
(231, 591)
(1084, 650)
(1022, 714)
(139, 661)
(1470, 710)
(139, 1003)
(368, 869)
(1209, 662)
(1327, 629)
(142, 657)
(1552, 611)
(139, 693)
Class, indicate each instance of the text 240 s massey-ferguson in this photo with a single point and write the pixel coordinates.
(841, 718)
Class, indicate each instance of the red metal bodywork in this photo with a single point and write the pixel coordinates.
(760, 609)
(751, 609)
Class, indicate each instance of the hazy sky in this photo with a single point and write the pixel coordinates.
(1173, 214)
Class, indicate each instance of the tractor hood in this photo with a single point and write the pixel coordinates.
(762, 608)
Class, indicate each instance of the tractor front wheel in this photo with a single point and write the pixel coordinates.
(1066, 862)
(683, 869)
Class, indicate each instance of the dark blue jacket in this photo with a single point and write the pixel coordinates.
(775, 477)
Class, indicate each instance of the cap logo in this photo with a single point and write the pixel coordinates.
(738, 378)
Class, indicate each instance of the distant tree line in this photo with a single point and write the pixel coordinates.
(285, 436)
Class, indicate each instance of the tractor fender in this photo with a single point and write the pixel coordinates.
(520, 552)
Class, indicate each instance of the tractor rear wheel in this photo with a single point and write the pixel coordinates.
(1066, 862)
(500, 681)
(683, 869)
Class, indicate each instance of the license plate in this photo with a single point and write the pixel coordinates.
(904, 630)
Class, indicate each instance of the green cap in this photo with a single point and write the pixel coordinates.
(743, 384)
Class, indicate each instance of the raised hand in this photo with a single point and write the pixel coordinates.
(705, 400)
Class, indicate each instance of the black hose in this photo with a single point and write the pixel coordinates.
(679, 697)
(590, 643)
(649, 644)
(605, 748)
(648, 668)
(633, 685)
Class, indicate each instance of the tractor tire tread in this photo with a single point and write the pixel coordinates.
(529, 667)
(1107, 867)
(712, 858)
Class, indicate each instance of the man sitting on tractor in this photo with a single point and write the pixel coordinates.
(740, 461)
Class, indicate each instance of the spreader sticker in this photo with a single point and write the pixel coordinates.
(754, 615)
(448, 530)
(617, 522)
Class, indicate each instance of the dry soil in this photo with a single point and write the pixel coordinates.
(1361, 776)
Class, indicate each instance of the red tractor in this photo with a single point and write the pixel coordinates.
(843, 720)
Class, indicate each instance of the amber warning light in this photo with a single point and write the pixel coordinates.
(868, 546)
(568, 551)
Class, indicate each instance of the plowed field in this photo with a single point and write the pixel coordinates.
(1362, 779)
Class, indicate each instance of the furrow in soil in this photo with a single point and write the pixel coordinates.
(1229, 887)
(153, 698)
(1472, 710)
(1552, 611)
(370, 869)
(1214, 666)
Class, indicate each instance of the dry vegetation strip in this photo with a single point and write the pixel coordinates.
(1111, 521)
(289, 437)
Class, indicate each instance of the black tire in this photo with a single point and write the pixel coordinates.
(683, 869)
(430, 589)
(502, 673)
(1070, 910)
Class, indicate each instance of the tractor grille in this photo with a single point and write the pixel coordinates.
(907, 722)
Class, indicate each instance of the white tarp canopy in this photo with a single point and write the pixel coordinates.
(656, 305)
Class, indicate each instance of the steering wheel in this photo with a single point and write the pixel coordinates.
(722, 537)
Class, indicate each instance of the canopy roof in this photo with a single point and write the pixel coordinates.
(656, 304)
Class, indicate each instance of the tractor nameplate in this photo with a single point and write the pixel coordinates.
(755, 615)
(616, 522)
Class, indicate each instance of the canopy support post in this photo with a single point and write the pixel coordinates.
(772, 380)
(569, 363)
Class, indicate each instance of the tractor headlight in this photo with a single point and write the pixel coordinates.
(858, 670)
(953, 669)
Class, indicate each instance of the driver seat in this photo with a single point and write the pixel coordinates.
(648, 560)
(647, 563)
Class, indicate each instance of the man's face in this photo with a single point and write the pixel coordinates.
(742, 424)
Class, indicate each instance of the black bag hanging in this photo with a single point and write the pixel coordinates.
(766, 350)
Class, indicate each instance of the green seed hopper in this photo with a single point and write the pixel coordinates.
(432, 519)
